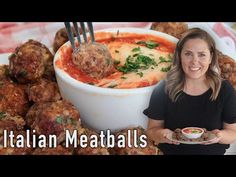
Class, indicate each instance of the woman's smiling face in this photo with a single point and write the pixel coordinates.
(195, 58)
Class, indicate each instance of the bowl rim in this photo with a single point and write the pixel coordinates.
(202, 130)
(107, 91)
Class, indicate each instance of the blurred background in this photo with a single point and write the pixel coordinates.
(12, 34)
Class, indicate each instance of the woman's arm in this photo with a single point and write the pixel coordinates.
(228, 134)
(157, 132)
(225, 136)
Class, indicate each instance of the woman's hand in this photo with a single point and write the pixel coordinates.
(158, 133)
(225, 136)
(215, 140)
(161, 137)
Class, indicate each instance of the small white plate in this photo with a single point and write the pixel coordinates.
(211, 137)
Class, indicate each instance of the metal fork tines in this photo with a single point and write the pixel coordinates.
(77, 32)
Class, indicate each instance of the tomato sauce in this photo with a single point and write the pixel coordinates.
(65, 62)
(164, 45)
(192, 130)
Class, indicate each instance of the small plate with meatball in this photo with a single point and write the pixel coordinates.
(177, 136)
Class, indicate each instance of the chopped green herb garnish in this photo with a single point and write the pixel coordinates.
(149, 44)
(69, 121)
(122, 77)
(169, 57)
(195, 131)
(141, 42)
(137, 49)
(146, 60)
(116, 62)
(163, 59)
(133, 64)
(140, 74)
(112, 85)
(73, 121)
(166, 69)
(135, 55)
(59, 119)
(2, 115)
(65, 120)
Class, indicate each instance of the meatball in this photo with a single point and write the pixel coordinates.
(150, 149)
(59, 150)
(175, 29)
(11, 123)
(60, 38)
(4, 72)
(94, 59)
(43, 90)
(49, 72)
(14, 150)
(228, 68)
(30, 61)
(13, 98)
(55, 118)
(34, 111)
(8, 122)
(90, 150)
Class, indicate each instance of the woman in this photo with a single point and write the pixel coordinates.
(193, 95)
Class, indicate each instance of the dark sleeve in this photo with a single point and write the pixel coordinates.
(229, 108)
(157, 103)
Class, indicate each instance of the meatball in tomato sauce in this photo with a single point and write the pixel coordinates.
(94, 59)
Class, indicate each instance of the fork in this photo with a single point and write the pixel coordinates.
(83, 29)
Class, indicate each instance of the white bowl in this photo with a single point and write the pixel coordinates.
(192, 132)
(105, 108)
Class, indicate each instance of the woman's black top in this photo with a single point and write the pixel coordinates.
(193, 111)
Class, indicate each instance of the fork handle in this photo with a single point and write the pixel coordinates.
(70, 34)
(83, 31)
(90, 26)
